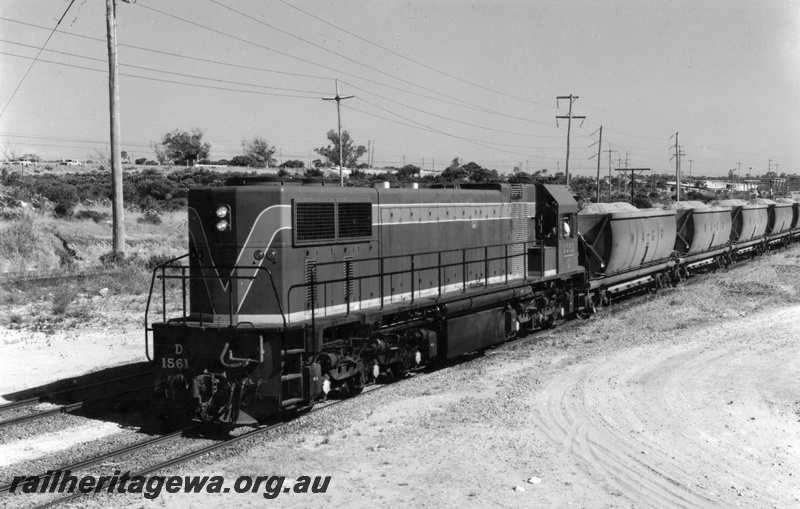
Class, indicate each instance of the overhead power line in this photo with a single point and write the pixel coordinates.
(452, 101)
(14, 93)
(439, 71)
(149, 78)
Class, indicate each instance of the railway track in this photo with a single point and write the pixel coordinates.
(157, 442)
(43, 276)
(70, 407)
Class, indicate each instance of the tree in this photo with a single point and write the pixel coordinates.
(350, 153)
(357, 174)
(30, 156)
(408, 172)
(182, 146)
(313, 173)
(9, 152)
(260, 152)
(477, 173)
(454, 172)
(293, 163)
(521, 178)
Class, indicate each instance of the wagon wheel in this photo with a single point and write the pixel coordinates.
(673, 278)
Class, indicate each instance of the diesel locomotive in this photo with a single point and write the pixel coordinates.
(292, 292)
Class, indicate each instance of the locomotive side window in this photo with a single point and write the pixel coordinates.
(315, 222)
(355, 220)
(566, 228)
(331, 222)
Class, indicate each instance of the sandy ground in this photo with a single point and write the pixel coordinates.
(33, 359)
(699, 418)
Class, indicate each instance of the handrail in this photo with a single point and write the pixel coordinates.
(149, 297)
(481, 255)
(414, 269)
(183, 277)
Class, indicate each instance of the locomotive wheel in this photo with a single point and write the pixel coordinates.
(354, 387)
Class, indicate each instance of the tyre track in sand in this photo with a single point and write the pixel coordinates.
(708, 419)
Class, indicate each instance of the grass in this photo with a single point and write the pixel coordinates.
(34, 244)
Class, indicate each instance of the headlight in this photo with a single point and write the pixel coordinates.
(222, 211)
(222, 225)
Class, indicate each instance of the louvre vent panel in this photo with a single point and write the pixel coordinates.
(355, 220)
(315, 221)
(311, 277)
(519, 232)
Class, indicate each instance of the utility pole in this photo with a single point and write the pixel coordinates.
(690, 168)
(338, 99)
(369, 147)
(633, 171)
(372, 159)
(610, 165)
(117, 211)
(569, 118)
(677, 156)
(599, 155)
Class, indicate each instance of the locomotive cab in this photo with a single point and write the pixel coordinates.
(556, 231)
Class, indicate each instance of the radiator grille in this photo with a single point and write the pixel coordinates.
(516, 191)
(355, 220)
(315, 222)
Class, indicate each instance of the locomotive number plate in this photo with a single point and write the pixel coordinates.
(170, 362)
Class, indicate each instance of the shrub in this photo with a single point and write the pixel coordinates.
(150, 217)
(156, 260)
(97, 217)
(641, 201)
(141, 160)
(113, 259)
(19, 239)
(63, 195)
(62, 299)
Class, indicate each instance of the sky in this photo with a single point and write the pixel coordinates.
(432, 80)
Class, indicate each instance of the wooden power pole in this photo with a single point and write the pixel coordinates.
(338, 99)
(633, 174)
(118, 236)
(569, 116)
(599, 155)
